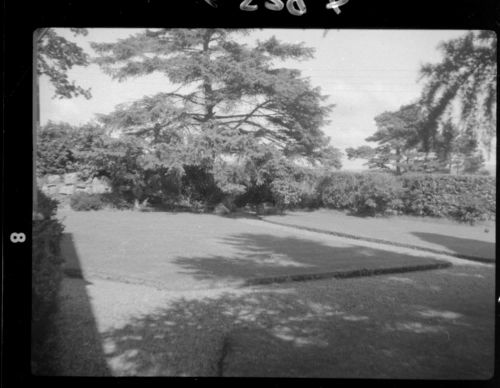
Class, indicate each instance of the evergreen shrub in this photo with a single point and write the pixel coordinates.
(46, 273)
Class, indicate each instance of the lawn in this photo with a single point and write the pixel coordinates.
(162, 297)
(420, 325)
(194, 251)
(436, 234)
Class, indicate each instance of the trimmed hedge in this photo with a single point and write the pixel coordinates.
(370, 193)
(465, 198)
(46, 275)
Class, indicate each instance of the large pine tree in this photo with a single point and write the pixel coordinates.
(227, 98)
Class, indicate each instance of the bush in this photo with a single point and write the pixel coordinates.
(378, 193)
(470, 209)
(85, 202)
(439, 195)
(46, 275)
(46, 206)
(338, 190)
(220, 209)
(254, 195)
(286, 193)
(370, 193)
(267, 208)
(115, 201)
(54, 149)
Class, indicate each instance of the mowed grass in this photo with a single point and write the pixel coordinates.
(167, 308)
(195, 251)
(421, 325)
(437, 234)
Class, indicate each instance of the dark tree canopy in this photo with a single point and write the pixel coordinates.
(228, 95)
(466, 78)
(57, 55)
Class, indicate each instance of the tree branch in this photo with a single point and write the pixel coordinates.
(247, 116)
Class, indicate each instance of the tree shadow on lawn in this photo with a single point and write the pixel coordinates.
(464, 246)
(280, 333)
(265, 255)
(76, 348)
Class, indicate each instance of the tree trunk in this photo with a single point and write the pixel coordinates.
(36, 120)
(398, 161)
(37, 36)
(207, 83)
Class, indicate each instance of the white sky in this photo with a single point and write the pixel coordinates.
(365, 72)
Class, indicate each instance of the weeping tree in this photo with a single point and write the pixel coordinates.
(464, 82)
(228, 102)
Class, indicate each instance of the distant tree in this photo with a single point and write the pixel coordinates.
(64, 148)
(458, 152)
(400, 149)
(466, 78)
(229, 96)
(54, 149)
(57, 55)
(398, 135)
(362, 152)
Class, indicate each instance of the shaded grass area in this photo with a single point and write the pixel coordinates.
(267, 258)
(188, 251)
(482, 251)
(432, 325)
(74, 346)
(452, 239)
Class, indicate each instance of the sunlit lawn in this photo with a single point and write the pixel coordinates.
(190, 251)
(434, 233)
(163, 313)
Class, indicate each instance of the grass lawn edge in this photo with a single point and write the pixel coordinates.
(363, 272)
(382, 241)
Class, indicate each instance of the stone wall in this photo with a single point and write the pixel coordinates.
(67, 184)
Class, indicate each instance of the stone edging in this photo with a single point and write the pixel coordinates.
(342, 274)
(364, 272)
